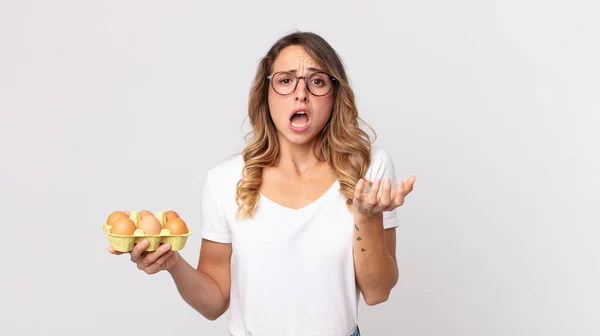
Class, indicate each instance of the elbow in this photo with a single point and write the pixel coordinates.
(373, 299)
(215, 314)
(212, 317)
(379, 295)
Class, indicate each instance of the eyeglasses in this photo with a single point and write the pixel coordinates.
(317, 83)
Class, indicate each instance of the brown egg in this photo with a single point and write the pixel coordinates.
(145, 213)
(113, 216)
(177, 226)
(123, 226)
(171, 214)
(150, 225)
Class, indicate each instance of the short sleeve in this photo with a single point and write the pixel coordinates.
(214, 224)
(381, 167)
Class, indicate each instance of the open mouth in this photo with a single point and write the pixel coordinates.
(299, 119)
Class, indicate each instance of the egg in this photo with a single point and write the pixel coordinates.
(113, 216)
(171, 214)
(145, 213)
(150, 225)
(123, 225)
(177, 226)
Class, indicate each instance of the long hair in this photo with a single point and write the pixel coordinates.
(342, 143)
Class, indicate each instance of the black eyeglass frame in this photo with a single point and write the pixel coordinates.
(333, 81)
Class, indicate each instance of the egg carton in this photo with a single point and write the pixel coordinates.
(125, 243)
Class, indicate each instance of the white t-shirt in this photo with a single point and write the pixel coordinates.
(292, 270)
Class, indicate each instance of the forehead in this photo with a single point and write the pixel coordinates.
(294, 58)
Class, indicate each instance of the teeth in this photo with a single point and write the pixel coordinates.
(298, 125)
(299, 112)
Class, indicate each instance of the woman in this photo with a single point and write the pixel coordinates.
(291, 235)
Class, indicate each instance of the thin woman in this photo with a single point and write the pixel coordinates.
(302, 222)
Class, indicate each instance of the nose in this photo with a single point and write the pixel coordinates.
(301, 91)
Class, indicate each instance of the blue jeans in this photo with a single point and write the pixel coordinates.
(355, 332)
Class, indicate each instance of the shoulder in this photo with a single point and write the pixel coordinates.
(381, 163)
(380, 157)
(379, 154)
(226, 172)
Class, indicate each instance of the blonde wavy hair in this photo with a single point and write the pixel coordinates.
(342, 143)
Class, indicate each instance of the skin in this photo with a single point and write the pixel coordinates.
(374, 247)
(305, 178)
(206, 288)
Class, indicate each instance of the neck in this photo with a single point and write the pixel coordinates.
(297, 159)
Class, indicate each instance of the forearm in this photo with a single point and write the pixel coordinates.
(199, 290)
(376, 270)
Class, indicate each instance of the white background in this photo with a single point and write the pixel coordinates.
(493, 105)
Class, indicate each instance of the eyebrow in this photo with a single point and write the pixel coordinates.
(309, 68)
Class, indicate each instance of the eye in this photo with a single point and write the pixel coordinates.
(317, 80)
(284, 79)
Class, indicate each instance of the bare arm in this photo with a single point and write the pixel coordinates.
(375, 247)
(206, 288)
(374, 259)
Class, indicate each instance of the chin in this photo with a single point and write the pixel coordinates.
(299, 138)
(296, 139)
